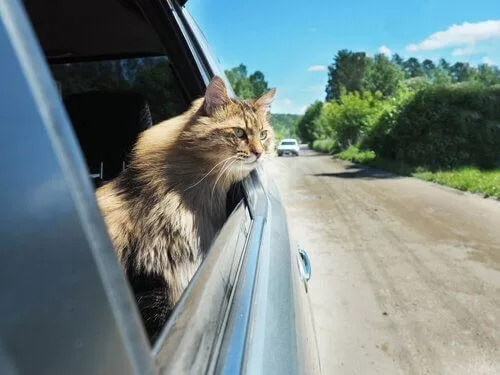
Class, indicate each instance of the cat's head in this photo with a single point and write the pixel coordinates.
(232, 134)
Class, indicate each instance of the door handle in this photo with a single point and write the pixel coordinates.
(304, 265)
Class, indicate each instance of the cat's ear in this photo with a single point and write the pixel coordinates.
(216, 95)
(266, 99)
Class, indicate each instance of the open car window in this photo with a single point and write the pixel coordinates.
(118, 74)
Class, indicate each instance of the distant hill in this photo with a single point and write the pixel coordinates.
(285, 125)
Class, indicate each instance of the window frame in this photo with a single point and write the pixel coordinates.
(228, 348)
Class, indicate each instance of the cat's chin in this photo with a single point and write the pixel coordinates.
(245, 166)
(252, 160)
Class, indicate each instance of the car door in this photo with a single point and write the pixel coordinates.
(68, 308)
(65, 304)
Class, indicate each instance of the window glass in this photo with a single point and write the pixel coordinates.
(152, 77)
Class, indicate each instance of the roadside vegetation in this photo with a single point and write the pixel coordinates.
(438, 122)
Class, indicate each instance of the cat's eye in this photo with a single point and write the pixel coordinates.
(263, 134)
(239, 132)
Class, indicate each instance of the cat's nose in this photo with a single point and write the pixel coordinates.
(257, 153)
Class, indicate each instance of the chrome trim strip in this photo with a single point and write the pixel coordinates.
(190, 342)
(230, 360)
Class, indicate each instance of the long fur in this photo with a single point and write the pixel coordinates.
(166, 207)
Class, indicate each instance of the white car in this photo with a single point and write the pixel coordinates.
(288, 146)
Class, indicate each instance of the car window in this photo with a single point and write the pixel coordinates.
(151, 77)
(288, 143)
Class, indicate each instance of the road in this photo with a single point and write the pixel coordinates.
(406, 274)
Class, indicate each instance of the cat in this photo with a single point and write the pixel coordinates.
(163, 211)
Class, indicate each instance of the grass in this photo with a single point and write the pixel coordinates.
(323, 145)
(470, 179)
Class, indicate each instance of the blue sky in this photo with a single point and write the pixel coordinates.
(292, 42)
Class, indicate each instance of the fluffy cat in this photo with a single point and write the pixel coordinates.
(165, 208)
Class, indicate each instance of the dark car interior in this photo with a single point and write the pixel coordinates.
(120, 68)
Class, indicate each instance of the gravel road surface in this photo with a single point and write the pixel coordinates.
(406, 274)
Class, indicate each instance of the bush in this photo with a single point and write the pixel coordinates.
(323, 145)
(442, 127)
(355, 154)
(348, 119)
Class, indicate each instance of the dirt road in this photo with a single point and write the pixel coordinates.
(406, 274)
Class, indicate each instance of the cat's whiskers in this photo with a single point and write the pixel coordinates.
(210, 171)
(221, 173)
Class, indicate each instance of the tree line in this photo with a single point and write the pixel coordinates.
(426, 114)
(355, 71)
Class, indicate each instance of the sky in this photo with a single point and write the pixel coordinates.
(292, 42)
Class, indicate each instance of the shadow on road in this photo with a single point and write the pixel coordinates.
(366, 173)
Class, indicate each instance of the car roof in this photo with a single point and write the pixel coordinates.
(289, 140)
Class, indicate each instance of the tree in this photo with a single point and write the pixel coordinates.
(382, 75)
(441, 77)
(347, 71)
(397, 60)
(258, 82)
(236, 74)
(306, 125)
(462, 72)
(246, 87)
(445, 65)
(429, 68)
(488, 75)
(412, 68)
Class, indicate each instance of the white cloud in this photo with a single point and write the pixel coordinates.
(302, 109)
(488, 60)
(385, 50)
(317, 68)
(456, 35)
(463, 51)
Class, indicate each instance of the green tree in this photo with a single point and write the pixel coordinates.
(462, 72)
(258, 82)
(350, 118)
(445, 65)
(397, 60)
(246, 87)
(429, 68)
(441, 77)
(488, 75)
(347, 71)
(382, 75)
(413, 68)
(307, 124)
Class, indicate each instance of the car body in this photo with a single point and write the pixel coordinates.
(288, 146)
(67, 307)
